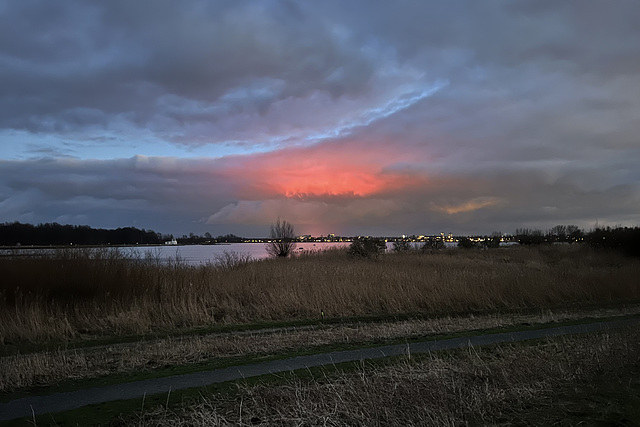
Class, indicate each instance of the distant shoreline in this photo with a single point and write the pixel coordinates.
(150, 245)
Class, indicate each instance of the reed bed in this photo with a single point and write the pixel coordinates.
(67, 294)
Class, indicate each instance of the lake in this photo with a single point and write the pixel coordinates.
(200, 254)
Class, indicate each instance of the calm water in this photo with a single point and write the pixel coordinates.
(198, 254)
(202, 254)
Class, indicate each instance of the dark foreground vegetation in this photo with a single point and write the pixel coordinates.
(581, 380)
(70, 319)
(623, 239)
(70, 294)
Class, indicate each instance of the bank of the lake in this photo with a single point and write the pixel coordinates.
(72, 294)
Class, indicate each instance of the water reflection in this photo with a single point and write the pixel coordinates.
(202, 254)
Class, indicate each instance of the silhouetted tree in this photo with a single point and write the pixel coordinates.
(574, 233)
(282, 237)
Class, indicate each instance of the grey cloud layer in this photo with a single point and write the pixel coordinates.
(199, 72)
(171, 67)
(189, 195)
(525, 113)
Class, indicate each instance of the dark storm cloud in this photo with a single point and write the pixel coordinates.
(375, 116)
(165, 64)
(120, 56)
(203, 72)
(150, 192)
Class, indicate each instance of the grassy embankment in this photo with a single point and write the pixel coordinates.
(69, 295)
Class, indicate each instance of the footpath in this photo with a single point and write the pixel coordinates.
(59, 402)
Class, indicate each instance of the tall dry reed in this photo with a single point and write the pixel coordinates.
(67, 294)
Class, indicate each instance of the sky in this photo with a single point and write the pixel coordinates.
(351, 117)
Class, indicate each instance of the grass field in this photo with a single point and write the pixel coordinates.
(74, 367)
(591, 380)
(69, 294)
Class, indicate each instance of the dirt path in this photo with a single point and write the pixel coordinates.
(49, 404)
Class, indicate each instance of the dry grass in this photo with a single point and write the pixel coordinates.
(551, 382)
(69, 294)
(50, 367)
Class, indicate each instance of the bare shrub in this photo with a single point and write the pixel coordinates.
(402, 246)
(230, 260)
(282, 237)
(466, 243)
(367, 247)
(432, 244)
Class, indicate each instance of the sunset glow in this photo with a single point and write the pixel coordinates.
(468, 206)
(321, 172)
(331, 181)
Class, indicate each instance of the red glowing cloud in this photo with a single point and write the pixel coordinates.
(335, 186)
(320, 172)
(322, 187)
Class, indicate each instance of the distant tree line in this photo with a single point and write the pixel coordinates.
(624, 239)
(12, 234)
(557, 234)
(208, 239)
(54, 234)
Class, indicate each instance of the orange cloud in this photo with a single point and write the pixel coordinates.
(323, 187)
(320, 172)
(471, 205)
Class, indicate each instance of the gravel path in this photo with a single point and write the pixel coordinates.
(58, 402)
